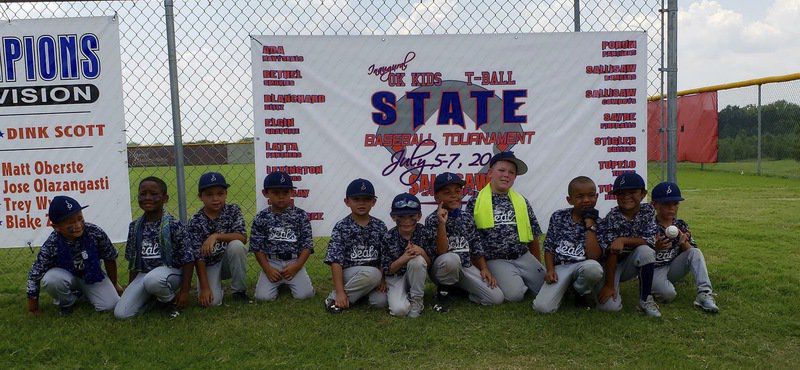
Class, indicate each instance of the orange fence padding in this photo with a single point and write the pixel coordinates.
(697, 129)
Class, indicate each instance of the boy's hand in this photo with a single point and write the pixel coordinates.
(590, 216)
(607, 292)
(617, 246)
(382, 286)
(487, 276)
(33, 306)
(441, 213)
(342, 301)
(683, 240)
(181, 300)
(408, 255)
(551, 277)
(208, 245)
(273, 274)
(662, 242)
(119, 288)
(290, 271)
(205, 297)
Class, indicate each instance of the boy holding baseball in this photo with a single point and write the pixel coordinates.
(677, 252)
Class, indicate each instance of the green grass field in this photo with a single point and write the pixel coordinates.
(788, 168)
(746, 225)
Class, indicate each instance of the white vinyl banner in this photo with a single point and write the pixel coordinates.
(61, 126)
(398, 110)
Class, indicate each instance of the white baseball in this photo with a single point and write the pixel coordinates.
(671, 231)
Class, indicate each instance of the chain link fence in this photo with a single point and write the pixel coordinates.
(213, 56)
(772, 150)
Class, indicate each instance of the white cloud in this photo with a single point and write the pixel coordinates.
(717, 45)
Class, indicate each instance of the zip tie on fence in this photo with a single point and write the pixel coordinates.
(114, 18)
(255, 39)
(30, 246)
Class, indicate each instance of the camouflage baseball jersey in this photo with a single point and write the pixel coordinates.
(395, 246)
(665, 256)
(182, 252)
(615, 225)
(462, 237)
(354, 245)
(48, 255)
(502, 241)
(230, 220)
(565, 239)
(287, 233)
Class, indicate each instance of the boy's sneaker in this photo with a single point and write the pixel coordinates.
(65, 310)
(705, 302)
(649, 307)
(586, 301)
(416, 307)
(330, 306)
(241, 297)
(443, 300)
(169, 308)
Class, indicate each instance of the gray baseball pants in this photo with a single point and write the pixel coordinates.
(689, 260)
(447, 270)
(627, 270)
(360, 281)
(300, 285)
(162, 283)
(233, 266)
(60, 284)
(583, 276)
(515, 277)
(410, 285)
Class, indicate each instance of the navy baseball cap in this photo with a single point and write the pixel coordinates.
(522, 168)
(278, 180)
(445, 179)
(405, 204)
(211, 179)
(62, 207)
(666, 192)
(360, 187)
(628, 180)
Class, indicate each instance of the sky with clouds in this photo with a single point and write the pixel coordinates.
(733, 40)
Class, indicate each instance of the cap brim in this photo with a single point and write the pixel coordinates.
(668, 199)
(279, 187)
(213, 185)
(404, 212)
(70, 213)
(459, 182)
(522, 168)
(360, 195)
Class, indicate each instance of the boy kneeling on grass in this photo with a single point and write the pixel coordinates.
(160, 262)
(677, 255)
(571, 249)
(405, 257)
(217, 230)
(627, 234)
(281, 240)
(354, 252)
(68, 263)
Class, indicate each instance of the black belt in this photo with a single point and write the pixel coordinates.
(283, 256)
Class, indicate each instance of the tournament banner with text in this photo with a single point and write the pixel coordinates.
(61, 126)
(398, 110)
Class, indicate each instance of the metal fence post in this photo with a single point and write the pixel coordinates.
(758, 160)
(176, 109)
(672, 91)
(576, 9)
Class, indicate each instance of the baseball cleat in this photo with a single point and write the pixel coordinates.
(416, 307)
(241, 297)
(330, 306)
(649, 307)
(705, 302)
